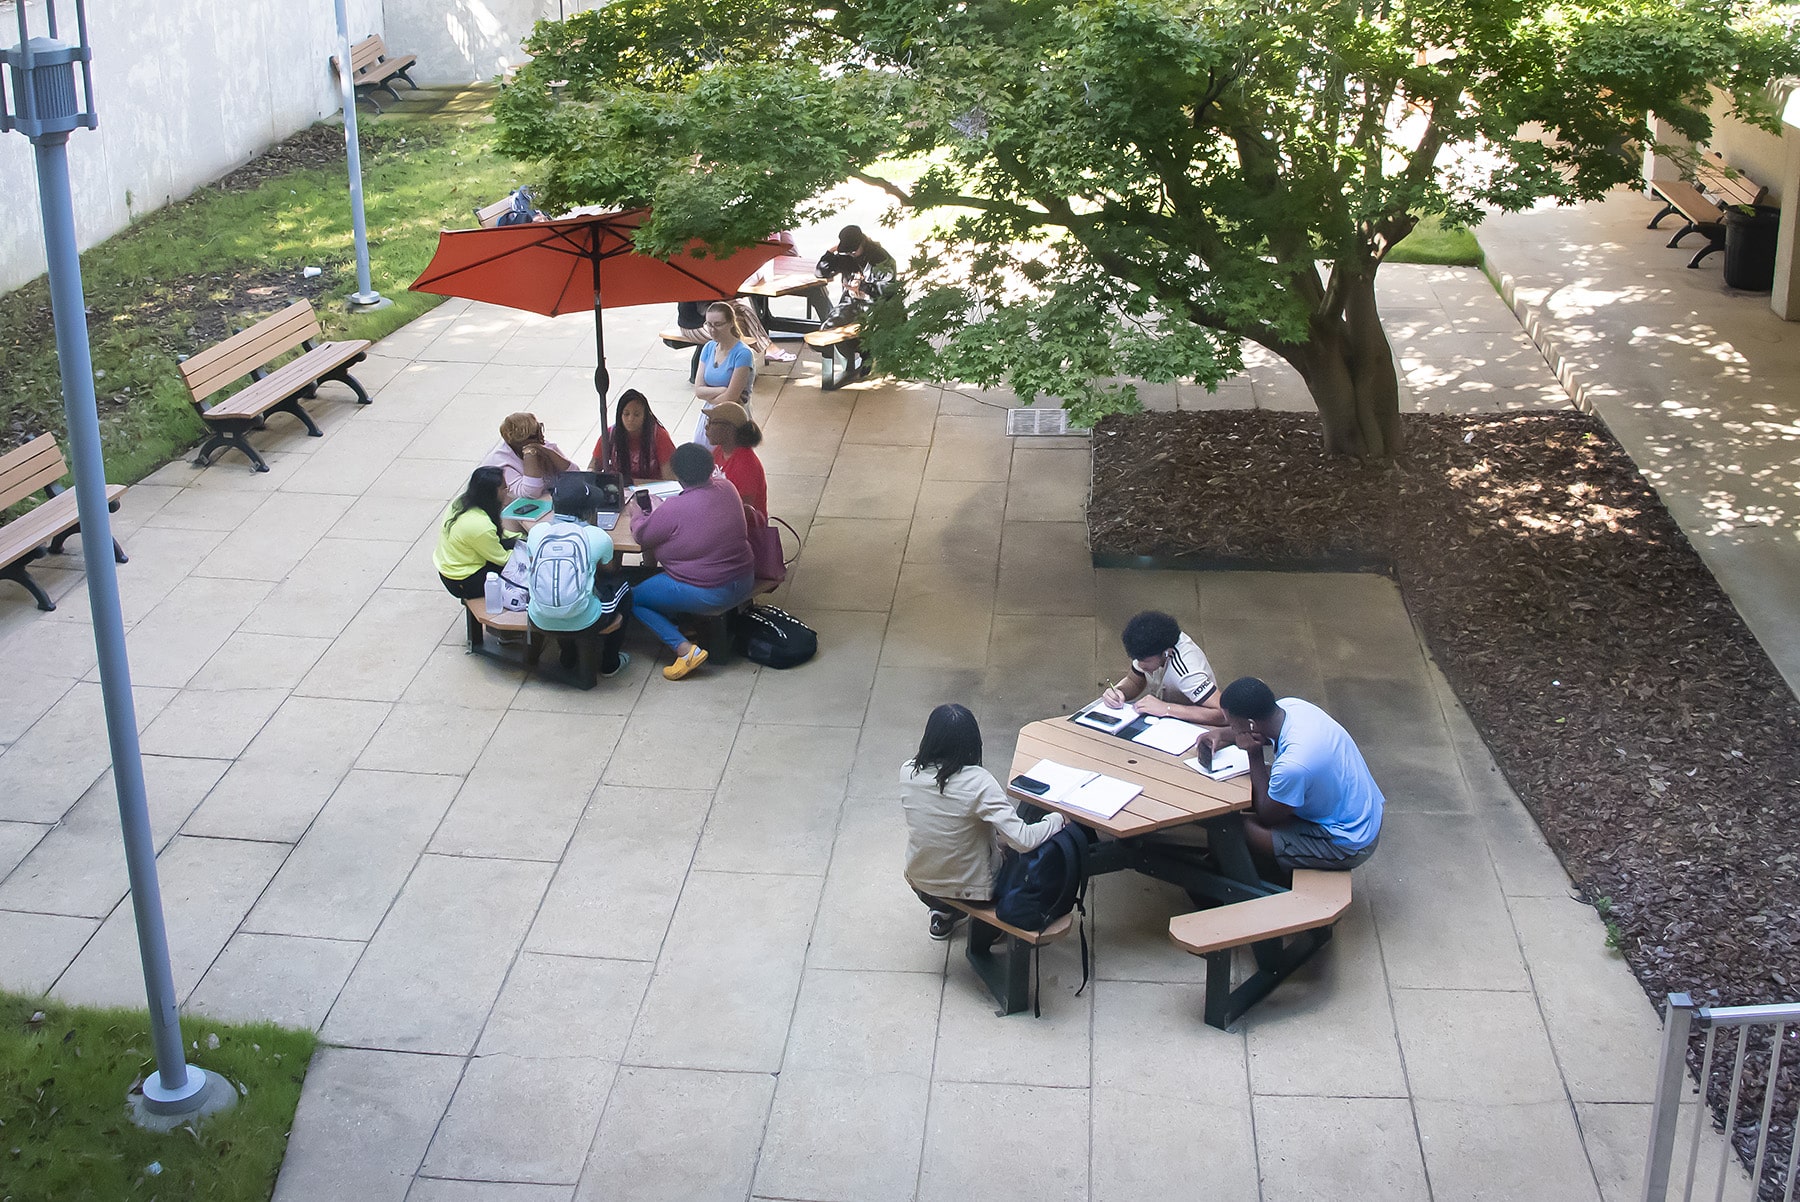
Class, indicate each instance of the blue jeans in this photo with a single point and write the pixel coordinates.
(657, 600)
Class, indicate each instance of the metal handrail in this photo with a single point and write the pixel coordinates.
(1680, 1020)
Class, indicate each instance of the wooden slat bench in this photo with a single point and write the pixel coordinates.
(371, 69)
(38, 465)
(1316, 901)
(1704, 206)
(1007, 973)
(278, 390)
(834, 365)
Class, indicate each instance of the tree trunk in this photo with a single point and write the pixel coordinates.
(1348, 367)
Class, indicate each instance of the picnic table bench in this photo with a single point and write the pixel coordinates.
(835, 367)
(371, 69)
(251, 353)
(1007, 974)
(1241, 909)
(39, 465)
(1703, 207)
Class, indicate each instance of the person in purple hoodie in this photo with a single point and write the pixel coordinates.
(699, 539)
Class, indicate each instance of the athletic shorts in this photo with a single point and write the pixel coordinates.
(1309, 845)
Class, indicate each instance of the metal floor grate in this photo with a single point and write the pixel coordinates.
(1036, 421)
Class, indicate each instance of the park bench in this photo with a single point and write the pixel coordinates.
(1316, 901)
(1007, 973)
(371, 69)
(1703, 207)
(834, 364)
(43, 530)
(271, 389)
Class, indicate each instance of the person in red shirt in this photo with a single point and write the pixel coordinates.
(640, 446)
(734, 439)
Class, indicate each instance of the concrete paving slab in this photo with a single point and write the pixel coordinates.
(275, 978)
(521, 1119)
(678, 1135)
(433, 969)
(40, 948)
(1323, 1149)
(959, 1159)
(364, 1122)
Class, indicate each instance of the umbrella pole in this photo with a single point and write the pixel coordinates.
(602, 381)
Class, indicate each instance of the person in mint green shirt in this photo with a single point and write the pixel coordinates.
(471, 546)
(568, 597)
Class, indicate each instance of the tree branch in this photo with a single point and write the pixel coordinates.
(892, 189)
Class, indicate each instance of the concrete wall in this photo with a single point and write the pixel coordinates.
(185, 92)
(469, 41)
(1757, 153)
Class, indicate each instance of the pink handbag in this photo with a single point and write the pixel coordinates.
(765, 545)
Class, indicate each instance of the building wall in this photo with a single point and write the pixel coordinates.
(1757, 153)
(185, 91)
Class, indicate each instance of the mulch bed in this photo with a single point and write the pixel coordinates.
(1619, 691)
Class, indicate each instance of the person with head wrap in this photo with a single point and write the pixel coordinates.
(528, 464)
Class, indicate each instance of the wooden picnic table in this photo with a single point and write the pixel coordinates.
(1240, 907)
(789, 275)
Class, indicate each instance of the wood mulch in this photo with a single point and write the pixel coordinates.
(1617, 688)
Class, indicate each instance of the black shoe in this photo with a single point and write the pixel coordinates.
(943, 922)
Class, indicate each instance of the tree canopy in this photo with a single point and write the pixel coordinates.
(1130, 187)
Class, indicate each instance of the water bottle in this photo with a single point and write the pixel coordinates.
(494, 602)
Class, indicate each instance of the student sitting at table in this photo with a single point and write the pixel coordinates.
(1315, 806)
(565, 554)
(734, 441)
(699, 538)
(690, 319)
(727, 368)
(470, 544)
(1169, 677)
(957, 818)
(641, 446)
(530, 464)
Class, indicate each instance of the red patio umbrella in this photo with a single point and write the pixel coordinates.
(574, 264)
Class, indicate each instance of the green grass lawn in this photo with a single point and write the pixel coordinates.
(186, 275)
(64, 1134)
(1432, 242)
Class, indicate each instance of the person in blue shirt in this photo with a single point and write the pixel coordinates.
(1314, 805)
(568, 598)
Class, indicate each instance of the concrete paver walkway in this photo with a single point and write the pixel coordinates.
(651, 941)
(1699, 382)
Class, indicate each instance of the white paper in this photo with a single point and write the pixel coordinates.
(1101, 716)
(1062, 779)
(1103, 796)
(1227, 762)
(661, 488)
(1169, 734)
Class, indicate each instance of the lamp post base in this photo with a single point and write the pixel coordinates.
(155, 1109)
(367, 302)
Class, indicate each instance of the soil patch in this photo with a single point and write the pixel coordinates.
(1626, 702)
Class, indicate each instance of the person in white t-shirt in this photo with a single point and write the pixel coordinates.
(1170, 676)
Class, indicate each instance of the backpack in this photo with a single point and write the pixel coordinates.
(523, 211)
(560, 576)
(1033, 889)
(773, 637)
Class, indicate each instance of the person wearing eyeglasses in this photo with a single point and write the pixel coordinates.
(727, 367)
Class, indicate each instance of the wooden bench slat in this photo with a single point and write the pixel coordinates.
(23, 534)
(833, 336)
(256, 398)
(1317, 899)
(505, 620)
(1056, 930)
(26, 469)
(237, 356)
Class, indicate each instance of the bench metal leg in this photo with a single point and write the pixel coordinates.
(16, 571)
(406, 74)
(292, 407)
(388, 87)
(475, 630)
(834, 369)
(342, 375)
(1715, 242)
(229, 438)
(1274, 964)
(1006, 973)
(1661, 213)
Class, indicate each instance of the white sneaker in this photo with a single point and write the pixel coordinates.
(776, 355)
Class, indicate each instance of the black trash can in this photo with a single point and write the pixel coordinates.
(1750, 246)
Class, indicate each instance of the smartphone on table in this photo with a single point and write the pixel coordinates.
(1030, 784)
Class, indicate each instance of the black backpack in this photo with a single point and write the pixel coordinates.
(1035, 888)
(773, 637)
